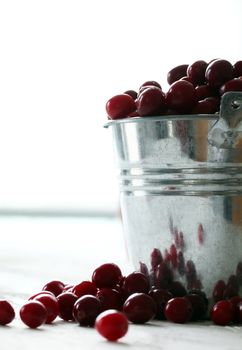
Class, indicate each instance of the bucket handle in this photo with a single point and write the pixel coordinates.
(226, 133)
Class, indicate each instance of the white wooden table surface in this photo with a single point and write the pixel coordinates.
(34, 251)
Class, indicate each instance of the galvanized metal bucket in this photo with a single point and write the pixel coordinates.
(181, 194)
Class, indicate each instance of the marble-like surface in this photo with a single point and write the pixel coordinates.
(34, 251)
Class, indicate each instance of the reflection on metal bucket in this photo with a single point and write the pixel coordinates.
(183, 174)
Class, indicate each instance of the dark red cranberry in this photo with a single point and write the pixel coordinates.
(139, 308)
(177, 73)
(181, 263)
(151, 102)
(33, 314)
(178, 310)
(203, 91)
(163, 276)
(177, 289)
(83, 288)
(51, 304)
(200, 233)
(7, 312)
(131, 93)
(238, 69)
(196, 72)
(109, 299)
(151, 83)
(55, 287)
(120, 106)
(86, 309)
(199, 306)
(231, 85)
(136, 282)
(215, 103)
(218, 291)
(218, 72)
(112, 324)
(40, 293)
(66, 302)
(186, 78)
(235, 301)
(156, 258)
(222, 313)
(202, 107)
(106, 275)
(181, 96)
(160, 297)
(68, 288)
(201, 294)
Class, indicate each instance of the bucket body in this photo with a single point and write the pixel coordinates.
(181, 196)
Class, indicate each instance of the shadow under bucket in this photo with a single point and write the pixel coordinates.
(181, 197)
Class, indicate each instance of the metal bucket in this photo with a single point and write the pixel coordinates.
(181, 196)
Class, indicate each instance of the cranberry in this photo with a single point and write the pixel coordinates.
(215, 103)
(203, 91)
(135, 282)
(7, 312)
(178, 310)
(46, 292)
(86, 309)
(33, 314)
(151, 102)
(120, 106)
(177, 289)
(186, 78)
(131, 93)
(177, 73)
(218, 291)
(238, 69)
(203, 107)
(218, 72)
(66, 302)
(144, 269)
(51, 304)
(196, 72)
(201, 294)
(151, 83)
(139, 308)
(222, 313)
(235, 301)
(83, 288)
(163, 276)
(112, 324)
(181, 96)
(156, 258)
(199, 306)
(109, 299)
(160, 297)
(231, 85)
(55, 287)
(106, 275)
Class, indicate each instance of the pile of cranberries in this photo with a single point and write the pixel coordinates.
(110, 301)
(194, 89)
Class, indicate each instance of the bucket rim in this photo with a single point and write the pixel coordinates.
(161, 118)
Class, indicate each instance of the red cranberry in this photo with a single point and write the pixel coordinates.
(136, 282)
(202, 107)
(112, 324)
(181, 96)
(222, 313)
(83, 288)
(231, 85)
(40, 293)
(238, 69)
(199, 306)
(109, 299)
(203, 91)
(215, 103)
(177, 73)
(235, 301)
(120, 106)
(177, 289)
(196, 72)
(66, 302)
(33, 314)
(139, 308)
(218, 72)
(131, 93)
(151, 102)
(186, 78)
(178, 310)
(51, 304)
(156, 258)
(106, 275)
(160, 297)
(151, 83)
(55, 287)
(218, 291)
(86, 309)
(7, 312)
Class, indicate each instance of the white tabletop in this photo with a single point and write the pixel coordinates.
(34, 251)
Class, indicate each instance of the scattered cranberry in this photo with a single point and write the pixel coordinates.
(83, 288)
(109, 299)
(177, 73)
(218, 72)
(151, 102)
(112, 324)
(51, 304)
(33, 314)
(139, 308)
(106, 275)
(86, 309)
(135, 282)
(178, 310)
(222, 313)
(181, 96)
(7, 312)
(120, 106)
(55, 287)
(160, 297)
(196, 72)
(66, 302)
(199, 306)
(177, 289)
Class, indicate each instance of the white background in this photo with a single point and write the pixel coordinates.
(61, 60)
